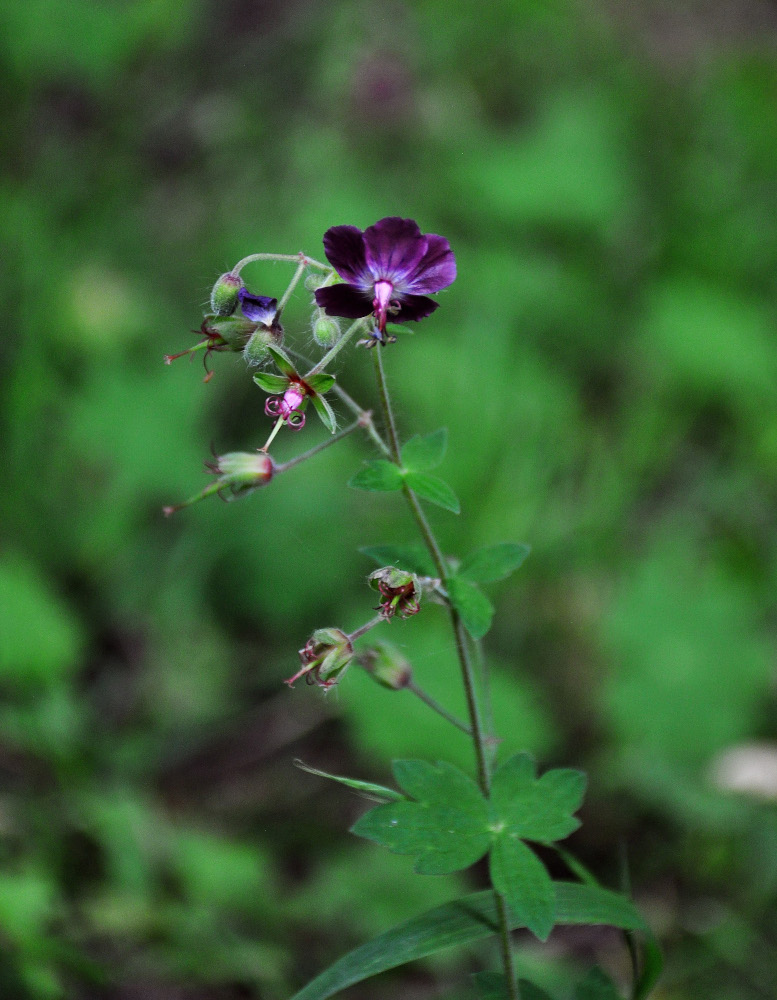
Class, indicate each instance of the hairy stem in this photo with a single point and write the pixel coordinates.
(334, 351)
(283, 466)
(479, 737)
(437, 707)
(293, 258)
(292, 285)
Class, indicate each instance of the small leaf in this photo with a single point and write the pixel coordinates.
(441, 784)
(325, 412)
(271, 383)
(519, 875)
(322, 382)
(366, 788)
(494, 562)
(423, 453)
(378, 476)
(474, 608)
(411, 557)
(282, 361)
(597, 986)
(461, 922)
(434, 490)
(536, 809)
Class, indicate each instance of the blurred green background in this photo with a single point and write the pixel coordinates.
(605, 364)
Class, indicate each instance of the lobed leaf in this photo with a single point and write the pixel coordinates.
(378, 476)
(460, 922)
(433, 489)
(423, 453)
(441, 784)
(519, 875)
(474, 608)
(493, 562)
(536, 809)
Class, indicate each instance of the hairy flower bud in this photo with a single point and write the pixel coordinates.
(224, 297)
(386, 664)
(234, 331)
(242, 470)
(255, 351)
(400, 591)
(314, 281)
(326, 329)
(324, 657)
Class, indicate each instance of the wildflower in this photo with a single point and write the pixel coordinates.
(388, 270)
(400, 591)
(220, 333)
(324, 657)
(237, 473)
(259, 308)
(291, 391)
(226, 293)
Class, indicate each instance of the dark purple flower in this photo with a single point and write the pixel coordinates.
(258, 308)
(389, 270)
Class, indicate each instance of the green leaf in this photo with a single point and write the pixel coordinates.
(378, 476)
(434, 490)
(494, 562)
(536, 809)
(322, 382)
(411, 557)
(461, 922)
(325, 412)
(652, 966)
(282, 361)
(523, 880)
(473, 606)
(597, 986)
(366, 788)
(446, 828)
(423, 453)
(271, 383)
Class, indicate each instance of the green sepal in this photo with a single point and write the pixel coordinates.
(325, 412)
(411, 556)
(493, 562)
(519, 875)
(474, 608)
(322, 382)
(434, 490)
(282, 361)
(368, 789)
(273, 384)
(420, 454)
(378, 476)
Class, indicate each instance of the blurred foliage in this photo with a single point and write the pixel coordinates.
(605, 365)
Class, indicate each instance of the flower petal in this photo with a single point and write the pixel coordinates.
(258, 308)
(394, 248)
(344, 248)
(413, 307)
(344, 300)
(436, 269)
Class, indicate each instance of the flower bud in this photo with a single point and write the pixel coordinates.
(224, 297)
(400, 591)
(241, 470)
(234, 331)
(324, 657)
(326, 329)
(256, 349)
(386, 665)
(314, 281)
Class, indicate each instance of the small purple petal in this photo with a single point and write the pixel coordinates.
(344, 249)
(394, 248)
(413, 307)
(344, 300)
(436, 269)
(258, 308)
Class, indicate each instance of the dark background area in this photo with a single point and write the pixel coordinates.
(605, 364)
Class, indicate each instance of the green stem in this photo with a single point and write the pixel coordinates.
(273, 432)
(479, 739)
(284, 466)
(292, 285)
(359, 632)
(290, 257)
(334, 351)
(437, 707)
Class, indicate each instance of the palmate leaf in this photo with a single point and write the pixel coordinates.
(459, 922)
(536, 808)
(523, 880)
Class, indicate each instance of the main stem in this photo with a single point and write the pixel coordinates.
(462, 649)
